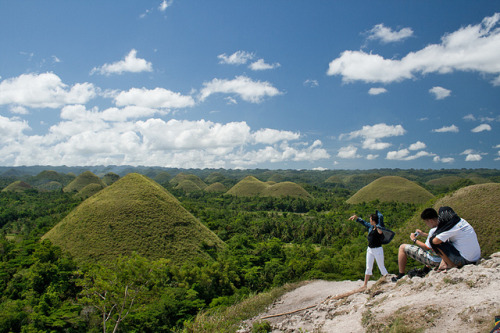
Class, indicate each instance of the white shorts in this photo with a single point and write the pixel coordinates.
(372, 254)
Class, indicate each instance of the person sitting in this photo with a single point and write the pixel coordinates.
(420, 251)
(454, 240)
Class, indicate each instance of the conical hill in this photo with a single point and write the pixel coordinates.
(247, 187)
(133, 214)
(17, 186)
(284, 189)
(83, 180)
(251, 186)
(392, 188)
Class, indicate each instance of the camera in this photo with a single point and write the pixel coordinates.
(417, 233)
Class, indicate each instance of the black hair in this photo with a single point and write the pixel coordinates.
(429, 214)
(374, 217)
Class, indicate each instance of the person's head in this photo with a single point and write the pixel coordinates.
(373, 219)
(430, 217)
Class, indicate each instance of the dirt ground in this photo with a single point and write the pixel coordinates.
(459, 300)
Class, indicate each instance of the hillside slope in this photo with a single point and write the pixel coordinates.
(133, 214)
(392, 188)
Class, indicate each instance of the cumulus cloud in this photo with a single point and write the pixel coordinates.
(417, 146)
(372, 134)
(471, 155)
(404, 155)
(246, 88)
(446, 129)
(86, 137)
(481, 128)
(377, 91)
(438, 159)
(164, 5)
(261, 65)
(348, 152)
(387, 35)
(471, 48)
(155, 98)
(237, 58)
(130, 64)
(44, 90)
(440, 92)
(371, 156)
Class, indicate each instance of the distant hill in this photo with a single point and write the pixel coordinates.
(50, 186)
(285, 189)
(184, 176)
(251, 186)
(17, 186)
(88, 191)
(188, 186)
(109, 178)
(134, 214)
(392, 188)
(216, 188)
(83, 180)
(444, 181)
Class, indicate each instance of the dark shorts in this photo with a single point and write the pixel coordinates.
(452, 253)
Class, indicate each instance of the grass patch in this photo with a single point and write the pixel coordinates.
(405, 320)
(229, 319)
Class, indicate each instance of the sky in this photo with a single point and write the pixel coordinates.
(274, 84)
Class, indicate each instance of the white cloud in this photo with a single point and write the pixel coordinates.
(261, 65)
(130, 64)
(12, 129)
(237, 58)
(446, 129)
(472, 155)
(417, 146)
(377, 91)
(311, 83)
(481, 128)
(271, 136)
(155, 98)
(44, 90)
(387, 35)
(470, 117)
(440, 92)
(371, 157)
(348, 152)
(164, 5)
(404, 155)
(471, 48)
(248, 90)
(438, 159)
(372, 134)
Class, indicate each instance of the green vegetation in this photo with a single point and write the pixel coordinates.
(165, 260)
(183, 177)
(392, 188)
(17, 186)
(216, 187)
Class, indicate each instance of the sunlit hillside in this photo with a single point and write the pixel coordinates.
(83, 180)
(133, 214)
(392, 188)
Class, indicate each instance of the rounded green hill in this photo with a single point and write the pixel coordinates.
(216, 188)
(392, 188)
(83, 180)
(251, 186)
(248, 187)
(135, 214)
(17, 186)
(286, 189)
(179, 178)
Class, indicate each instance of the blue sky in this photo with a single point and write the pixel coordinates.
(251, 84)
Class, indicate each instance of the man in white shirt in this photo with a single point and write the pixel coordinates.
(455, 240)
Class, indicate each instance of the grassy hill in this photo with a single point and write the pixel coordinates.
(216, 188)
(286, 189)
(392, 188)
(50, 186)
(478, 204)
(180, 177)
(83, 180)
(444, 181)
(188, 186)
(88, 191)
(133, 214)
(251, 186)
(17, 186)
(109, 178)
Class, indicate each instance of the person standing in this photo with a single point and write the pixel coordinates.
(374, 252)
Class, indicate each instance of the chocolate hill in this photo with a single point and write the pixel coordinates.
(135, 214)
(392, 188)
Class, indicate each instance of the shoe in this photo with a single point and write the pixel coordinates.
(396, 278)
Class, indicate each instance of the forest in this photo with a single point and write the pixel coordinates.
(269, 242)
